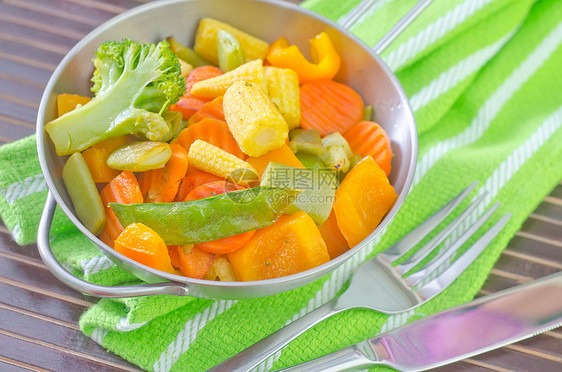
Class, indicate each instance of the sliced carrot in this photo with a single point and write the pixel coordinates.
(367, 138)
(328, 106)
(142, 244)
(193, 178)
(211, 110)
(122, 189)
(211, 131)
(161, 185)
(283, 155)
(230, 243)
(189, 105)
(194, 262)
(174, 256)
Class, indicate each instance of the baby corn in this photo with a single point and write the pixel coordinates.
(217, 86)
(283, 90)
(215, 160)
(253, 119)
(206, 41)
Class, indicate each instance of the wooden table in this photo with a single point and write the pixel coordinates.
(39, 315)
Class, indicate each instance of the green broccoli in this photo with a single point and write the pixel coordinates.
(134, 84)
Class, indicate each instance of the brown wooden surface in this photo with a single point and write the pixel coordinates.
(39, 315)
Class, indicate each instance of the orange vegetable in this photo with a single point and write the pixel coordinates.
(194, 262)
(326, 59)
(335, 241)
(193, 178)
(229, 243)
(174, 256)
(283, 155)
(367, 138)
(328, 106)
(68, 102)
(291, 245)
(96, 155)
(122, 189)
(142, 244)
(211, 110)
(161, 185)
(211, 131)
(189, 105)
(362, 200)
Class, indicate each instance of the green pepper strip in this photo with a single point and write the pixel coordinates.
(209, 218)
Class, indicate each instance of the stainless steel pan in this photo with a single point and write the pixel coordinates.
(269, 20)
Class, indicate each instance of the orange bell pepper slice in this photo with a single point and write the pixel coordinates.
(324, 55)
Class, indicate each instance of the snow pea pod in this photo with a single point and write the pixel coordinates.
(210, 218)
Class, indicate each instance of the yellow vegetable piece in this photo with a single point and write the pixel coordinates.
(68, 102)
(291, 245)
(142, 244)
(217, 86)
(253, 120)
(215, 160)
(283, 155)
(324, 55)
(283, 90)
(206, 41)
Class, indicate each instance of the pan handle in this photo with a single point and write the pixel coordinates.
(395, 31)
(74, 282)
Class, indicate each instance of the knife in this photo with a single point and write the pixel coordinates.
(476, 327)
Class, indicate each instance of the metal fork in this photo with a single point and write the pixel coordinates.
(380, 286)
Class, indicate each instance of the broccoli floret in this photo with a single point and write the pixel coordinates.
(134, 84)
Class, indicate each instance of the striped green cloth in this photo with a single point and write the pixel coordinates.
(483, 78)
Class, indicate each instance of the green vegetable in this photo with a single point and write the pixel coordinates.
(368, 113)
(133, 84)
(310, 161)
(186, 54)
(209, 218)
(83, 193)
(318, 187)
(338, 153)
(140, 156)
(230, 52)
(306, 140)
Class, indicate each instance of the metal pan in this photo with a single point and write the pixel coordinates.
(268, 20)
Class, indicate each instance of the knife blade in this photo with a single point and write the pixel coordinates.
(476, 327)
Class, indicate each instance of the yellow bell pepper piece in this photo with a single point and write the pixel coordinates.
(324, 55)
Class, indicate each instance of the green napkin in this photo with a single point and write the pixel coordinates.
(483, 78)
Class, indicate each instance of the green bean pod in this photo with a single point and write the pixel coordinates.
(210, 218)
(83, 193)
(186, 54)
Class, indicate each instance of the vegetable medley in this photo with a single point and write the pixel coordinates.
(234, 160)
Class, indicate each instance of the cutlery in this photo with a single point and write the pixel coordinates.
(479, 326)
(378, 285)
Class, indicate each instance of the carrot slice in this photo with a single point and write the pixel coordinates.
(161, 185)
(193, 178)
(194, 262)
(367, 138)
(328, 106)
(174, 256)
(122, 189)
(230, 243)
(211, 110)
(211, 131)
(189, 105)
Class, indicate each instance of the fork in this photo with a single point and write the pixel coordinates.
(378, 285)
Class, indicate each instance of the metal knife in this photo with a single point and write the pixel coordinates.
(479, 326)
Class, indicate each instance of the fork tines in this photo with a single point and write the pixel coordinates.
(432, 278)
